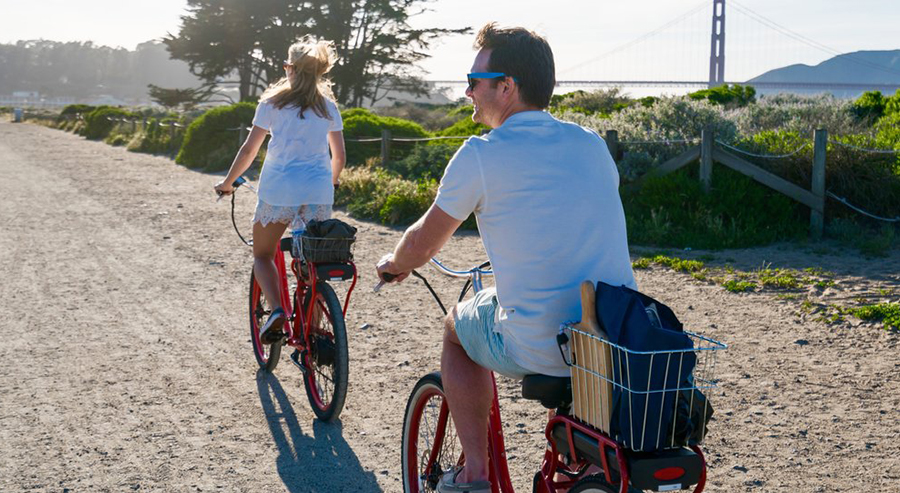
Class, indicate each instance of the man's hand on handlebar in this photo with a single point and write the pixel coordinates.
(388, 272)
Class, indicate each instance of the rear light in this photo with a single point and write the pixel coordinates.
(335, 273)
(668, 473)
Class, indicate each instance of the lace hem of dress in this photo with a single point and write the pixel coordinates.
(286, 214)
(267, 213)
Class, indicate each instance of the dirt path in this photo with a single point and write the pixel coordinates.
(126, 364)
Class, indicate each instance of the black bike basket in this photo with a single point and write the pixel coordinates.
(328, 241)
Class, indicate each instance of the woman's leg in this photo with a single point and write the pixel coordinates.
(265, 244)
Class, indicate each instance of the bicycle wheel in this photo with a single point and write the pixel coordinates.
(594, 484)
(267, 355)
(327, 363)
(430, 444)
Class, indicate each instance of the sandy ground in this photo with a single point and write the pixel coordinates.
(126, 363)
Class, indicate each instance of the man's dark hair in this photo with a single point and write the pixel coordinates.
(522, 54)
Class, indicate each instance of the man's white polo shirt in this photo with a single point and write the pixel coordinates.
(546, 198)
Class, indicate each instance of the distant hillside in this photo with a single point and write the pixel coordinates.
(871, 67)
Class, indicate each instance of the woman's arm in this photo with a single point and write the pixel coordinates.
(338, 154)
(244, 158)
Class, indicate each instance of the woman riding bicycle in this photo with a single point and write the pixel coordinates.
(298, 177)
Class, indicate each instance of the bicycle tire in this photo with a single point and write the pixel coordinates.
(594, 484)
(327, 362)
(430, 448)
(267, 355)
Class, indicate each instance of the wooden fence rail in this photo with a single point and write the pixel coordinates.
(708, 153)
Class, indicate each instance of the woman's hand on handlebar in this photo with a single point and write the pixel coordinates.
(224, 188)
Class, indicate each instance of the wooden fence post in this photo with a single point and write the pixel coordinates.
(172, 132)
(385, 146)
(706, 151)
(133, 125)
(242, 135)
(612, 142)
(817, 214)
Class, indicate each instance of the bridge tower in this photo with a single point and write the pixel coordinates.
(717, 49)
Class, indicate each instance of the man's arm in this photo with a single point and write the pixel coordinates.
(420, 242)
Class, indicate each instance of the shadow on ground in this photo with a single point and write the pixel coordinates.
(321, 463)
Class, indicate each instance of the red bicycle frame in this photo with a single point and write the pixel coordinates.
(300, 339)
(499, 469)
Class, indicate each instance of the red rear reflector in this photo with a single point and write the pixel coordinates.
(669, 473)
(335, 273)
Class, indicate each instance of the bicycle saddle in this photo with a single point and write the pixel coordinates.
(552, 392)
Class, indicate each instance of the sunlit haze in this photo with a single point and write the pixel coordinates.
(579, 31)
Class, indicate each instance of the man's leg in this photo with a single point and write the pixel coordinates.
(469, 392)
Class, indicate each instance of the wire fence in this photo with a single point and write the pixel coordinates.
(857, 209)
(764, 156)
(863, 149)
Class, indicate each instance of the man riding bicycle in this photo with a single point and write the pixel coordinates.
(545, 195)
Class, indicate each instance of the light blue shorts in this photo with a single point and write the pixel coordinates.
(475, 319)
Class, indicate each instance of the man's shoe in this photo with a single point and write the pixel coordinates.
(271, 331)
(448, 484)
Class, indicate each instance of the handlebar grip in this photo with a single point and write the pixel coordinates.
(388, 277)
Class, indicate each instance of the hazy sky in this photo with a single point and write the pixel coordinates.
(578, 31)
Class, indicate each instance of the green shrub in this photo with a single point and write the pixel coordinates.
(603, 101)
(97, 123)
(892, 104)
(463, 128)
(74, 109)
(118, 140)
(869, 106)
(871, 240)
(668, 119)
(156, 139)
(376, 194)
(801, 114)
(430, 116)
(425, 162)
(406, 204)
(673, 210)
(361, 123)
(372, 193)
(734, 95)
(209, 141)
(867, 180)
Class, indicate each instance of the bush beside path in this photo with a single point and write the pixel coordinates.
(126, 363)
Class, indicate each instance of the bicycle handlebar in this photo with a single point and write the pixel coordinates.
(473, 276)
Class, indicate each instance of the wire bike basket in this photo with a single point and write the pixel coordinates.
(646, 400)
(324, 250)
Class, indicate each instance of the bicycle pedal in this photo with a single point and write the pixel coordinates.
(295, 358)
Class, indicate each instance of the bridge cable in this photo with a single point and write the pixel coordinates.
(639, 39)
(803, 39)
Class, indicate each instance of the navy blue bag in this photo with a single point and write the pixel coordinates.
(644, 394)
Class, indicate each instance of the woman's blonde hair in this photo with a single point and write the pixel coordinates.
(306, 86)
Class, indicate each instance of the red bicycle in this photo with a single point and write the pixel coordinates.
(579, 457)
(315, 326)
